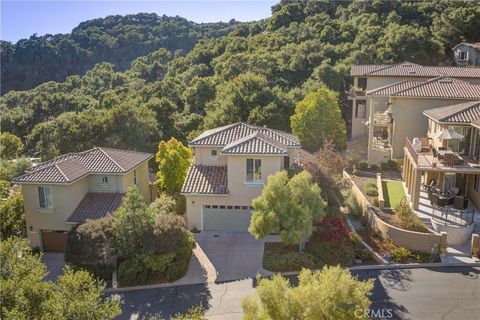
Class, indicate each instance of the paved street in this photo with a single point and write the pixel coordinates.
(426, 293)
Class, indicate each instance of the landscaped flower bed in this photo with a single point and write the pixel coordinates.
(332, 243)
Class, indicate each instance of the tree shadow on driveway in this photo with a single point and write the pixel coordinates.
(163, 303)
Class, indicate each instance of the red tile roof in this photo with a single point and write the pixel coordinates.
(457, 113)
(441, 87)
(72, 166)
(227, 134)
(255, 143)
(408, 69)
(96, 205)
(206, 179)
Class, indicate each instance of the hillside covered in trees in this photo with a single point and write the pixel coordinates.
(114, 39)
(257, 73)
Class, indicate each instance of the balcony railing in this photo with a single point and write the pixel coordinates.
(381, 119)
(356, 92)
(441, 160)
(411, 150)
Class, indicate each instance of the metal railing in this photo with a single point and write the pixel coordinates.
(455, 216)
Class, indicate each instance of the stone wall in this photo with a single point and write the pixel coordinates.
(418, 241)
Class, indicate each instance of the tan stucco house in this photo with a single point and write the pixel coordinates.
(460, 172)
(69, 189)
(395, 111)
(371, 77)
(230, 167)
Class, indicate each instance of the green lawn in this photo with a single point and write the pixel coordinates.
(392, 192)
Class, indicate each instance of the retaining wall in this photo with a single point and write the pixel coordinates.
(418, 241)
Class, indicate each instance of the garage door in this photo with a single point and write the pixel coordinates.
(54, 241)
(228, 218)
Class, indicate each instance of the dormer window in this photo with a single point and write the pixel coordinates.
(463, 55)
(104, 180)
(213, 154)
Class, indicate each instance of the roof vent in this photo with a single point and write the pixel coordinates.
(445, 80)
(412, 72)
(406, 65)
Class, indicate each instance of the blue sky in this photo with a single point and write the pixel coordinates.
(20, 19)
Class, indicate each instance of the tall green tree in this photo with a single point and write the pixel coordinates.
(130, 224)
(10, 145)
(287, 206)
(318, 118)
(78, 295)
(173, 160)
(12, 215)
(25, 295)
(332, 293)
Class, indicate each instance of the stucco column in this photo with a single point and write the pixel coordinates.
(416, 188)
(405, 165)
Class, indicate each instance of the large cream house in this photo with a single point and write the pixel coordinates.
(231, 165)
(395, 111)
(460, 172)
(370, 77)
(69, 189)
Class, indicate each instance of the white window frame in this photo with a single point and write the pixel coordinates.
(213, 156)
(48, 205)
(460, 58)
(254, 161)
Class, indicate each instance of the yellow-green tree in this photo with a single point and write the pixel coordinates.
(318, 118)
(10, 145)
(332, 293)
(173, 160)
(287, 206)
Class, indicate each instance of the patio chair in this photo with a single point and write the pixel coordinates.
(449, 159)
(460, 202)
(434, 199)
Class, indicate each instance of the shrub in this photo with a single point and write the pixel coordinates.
(371, 191)
(170, 234)
(371, 184)
(373, 167)
(353, 160)
(402, 255)
(277, 261)
(330, 253)
(375, 202)
(352, 203)
(409, 220)
(362, 165)
(88, 247)
(333, 211)
(389, 164)
(164, 204)
(132, 271)
(180, 204)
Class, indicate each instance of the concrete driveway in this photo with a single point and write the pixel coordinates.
(55, 263)
(234, 255)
